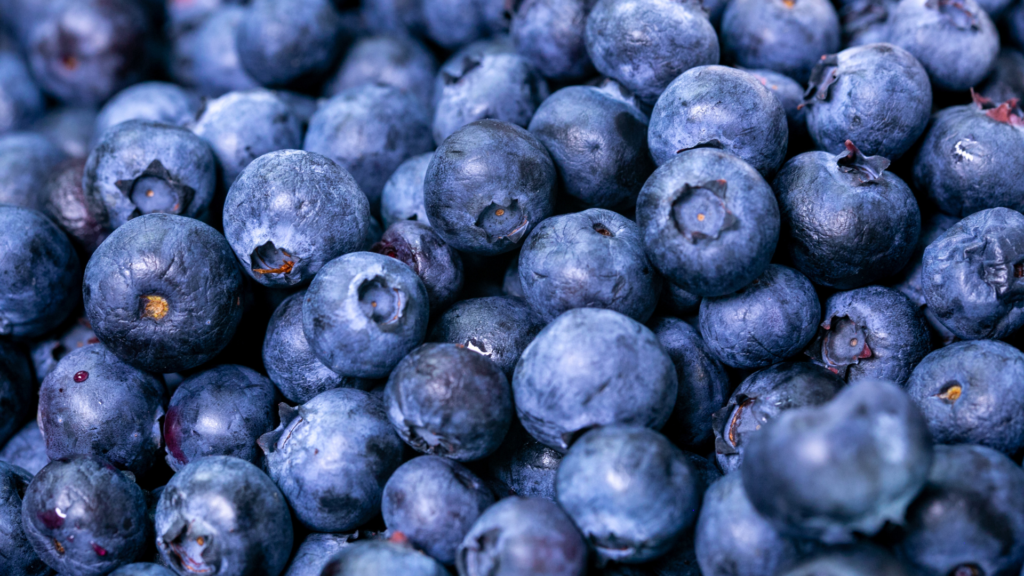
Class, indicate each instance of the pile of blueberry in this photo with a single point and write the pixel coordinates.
(511, 287)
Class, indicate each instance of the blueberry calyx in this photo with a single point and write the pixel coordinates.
(728, 423)
(269, 259)
(156, 191)
(823, 76)
(955, 12)
(863, 169)
(287, 415)
(951, 392)
(844, 344)
(380, 302)
(467, 65)
(503, 222)
(1008, 112)
(699, 211)
(153, 307)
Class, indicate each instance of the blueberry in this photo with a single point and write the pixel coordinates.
(549, 34)
(970, 276)
(499, 327)
(159, 102)
(141, 167)
(709, 222)
(645, 45)
(291, 212)
(784, 36)
(422, 249)
(224, 516)
(910, 282)
(433, 502)
(382, 558)
(592, 259)
(877, 96)
(363, 313)
(26, 450)
(84, 517)
(282, 42)
(973, 497)
(206, 58)
(65, 203)
(17, 390)
(290, 361)
(182, 16)
(790, 94)
(21, 101)
(1007, 78)
(453, 24)
(46, 352)
(597, 137)
(522, 466)
(592, 367)
(331, 457)
(522, 536)
(370, 130)
(485, 80)
(716, 107)
(18, 559)
(221, 411)
(71, 129)
(164, 293)
(968, 394)
(402, 195)
(93, 404)
(767, 322)
(446, 400)
(865, 21)
(26, 161)
(847, 466)
(849, 222)
(39, 273)
(703, 384)
(955, 41)
(635, 524)
(393, 60)
(142, 569)
(760, 398)
(316, 551)
(242, 126)
(511, 286)
(732, 538)
(488, 186)
(962, 164)
(853, 560)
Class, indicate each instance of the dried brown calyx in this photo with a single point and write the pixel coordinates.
(154, 307)
(863, 169)
(1008, 112)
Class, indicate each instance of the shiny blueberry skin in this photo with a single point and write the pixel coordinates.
(853, 560)
(68, 207)
(975, 292)
(316, 551)
(488, 186)
(26, 449)
(645, 45)
(485, 80)
(93, 404)
(21, 100)
(18, 559)
(846, 466)
(723, 108)
(760, 398)
(140, 167)
(703, 383)
(447, 400)
(787, 37)
(592, 367)
(523, 467)
(39, 273)
(871, 332)
(219, 412)
(973, 497)
(206, 58)
(770, 320)
(455, 23)
(522, 536)
(589, 259)
(164, 292)
(969, 394)
(436, 263)
(709, 222)
(597, 137)
(878, 96)
(142, 569)
(848, 222)
(433, 502)
(26, 161)
(84, 517)
(499, 327)
(281, 42)
(732, 538)
(17, 390)
(955, 41)
(290, 361)
(635, 525)
(397, 61)
(370, 130)
(363, 313)
(549, 34)
(331, 457)
(223, 516)
(159, 102)
(964, 163)
(242, 126)
(402, 195)
(289, 213)
(382, 558)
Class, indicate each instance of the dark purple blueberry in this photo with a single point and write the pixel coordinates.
(18, 558)
(523, 467)
(67, 205)
(437, 264)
